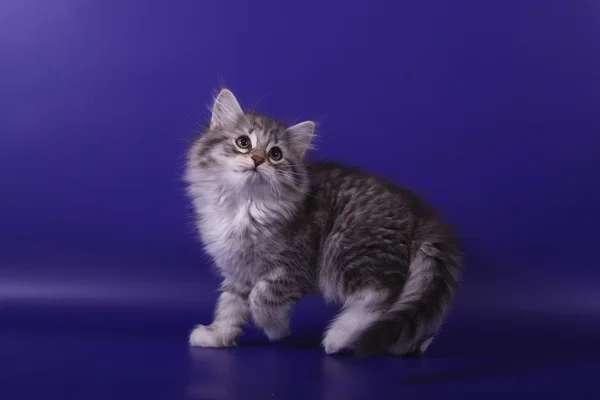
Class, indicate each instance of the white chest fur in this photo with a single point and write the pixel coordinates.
(236, 236)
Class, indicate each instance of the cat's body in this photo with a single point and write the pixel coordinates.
(279, 226)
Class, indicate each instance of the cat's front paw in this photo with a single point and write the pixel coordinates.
(210, 336)
(336, 341)
(275, 334)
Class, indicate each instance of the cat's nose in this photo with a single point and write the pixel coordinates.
(257, 160)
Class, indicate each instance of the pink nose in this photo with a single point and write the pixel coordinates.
(258, 160)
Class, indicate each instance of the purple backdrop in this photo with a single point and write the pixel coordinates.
(488, 108)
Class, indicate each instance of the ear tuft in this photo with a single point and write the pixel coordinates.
(225, 110)
(301, 135)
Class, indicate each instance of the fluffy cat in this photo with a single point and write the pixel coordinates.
(279, 226)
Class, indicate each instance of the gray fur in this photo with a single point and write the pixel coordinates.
(286, 227)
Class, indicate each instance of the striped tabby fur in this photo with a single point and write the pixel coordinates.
(279, 226)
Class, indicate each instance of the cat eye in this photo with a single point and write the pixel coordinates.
(275, 154)
(243, 142)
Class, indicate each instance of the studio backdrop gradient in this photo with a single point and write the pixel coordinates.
(488, 109)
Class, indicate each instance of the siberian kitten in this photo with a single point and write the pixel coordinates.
(279, 226)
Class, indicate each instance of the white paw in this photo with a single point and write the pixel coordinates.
(277, 333)
(426, 344)
(209, 336)
(335, 341)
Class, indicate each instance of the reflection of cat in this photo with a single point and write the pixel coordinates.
(278, 226)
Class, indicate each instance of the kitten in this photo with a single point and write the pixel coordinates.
(278, 226)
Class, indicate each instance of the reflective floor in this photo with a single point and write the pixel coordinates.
(125, 351)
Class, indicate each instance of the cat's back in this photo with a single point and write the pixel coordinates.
(363, 191)
(360, 204)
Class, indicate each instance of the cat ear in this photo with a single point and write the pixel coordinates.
(300, 136)
(225, 110)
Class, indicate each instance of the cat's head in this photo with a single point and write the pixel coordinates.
(250, 154)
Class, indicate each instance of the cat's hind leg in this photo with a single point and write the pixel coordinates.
(408, 349)
(359, 311)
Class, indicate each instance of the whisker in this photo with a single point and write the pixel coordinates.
(259, 100)
(301, 191)
(285, 173)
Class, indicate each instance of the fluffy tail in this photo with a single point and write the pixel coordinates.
(419, 310)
